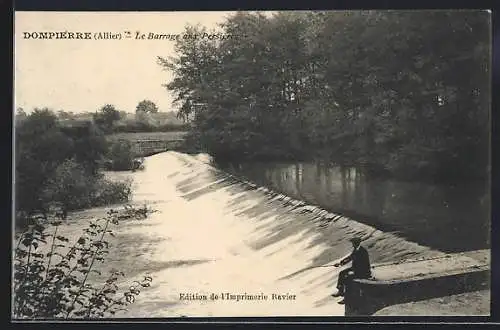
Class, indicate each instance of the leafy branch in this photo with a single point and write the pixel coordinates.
(49, 283)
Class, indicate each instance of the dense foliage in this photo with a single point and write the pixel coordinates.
(106, 117)
(120, 156)
(58, 166)
(405, 93)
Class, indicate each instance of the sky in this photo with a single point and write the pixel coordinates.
(83, 75)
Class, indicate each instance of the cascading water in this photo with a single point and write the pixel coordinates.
(215, 234)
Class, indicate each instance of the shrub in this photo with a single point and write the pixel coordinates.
(57, 166)
(70, 186)
(52, 160)
(55, 279)
(90, 146)
(40, 148)
(121, 156)
(110, 192)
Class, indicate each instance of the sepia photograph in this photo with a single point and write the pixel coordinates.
(177, 165)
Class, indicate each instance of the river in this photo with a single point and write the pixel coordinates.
(215, 233)
(448, 217)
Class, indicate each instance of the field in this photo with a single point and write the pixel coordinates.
(164, 136)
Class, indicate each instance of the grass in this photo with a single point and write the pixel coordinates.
(164, 136)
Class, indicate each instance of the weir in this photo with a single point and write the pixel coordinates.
(251, 240)
(404, 280)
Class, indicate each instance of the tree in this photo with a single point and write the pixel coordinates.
(40, 148)
(90, 144)
(70, 186)
(55, 163)
(146, 106)
(20, 115)
(396, 92)
(121, 155)
(106, 117)
(20, 112)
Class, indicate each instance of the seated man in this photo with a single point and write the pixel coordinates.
(360, 267)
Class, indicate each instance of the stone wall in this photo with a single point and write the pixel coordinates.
(365, 297)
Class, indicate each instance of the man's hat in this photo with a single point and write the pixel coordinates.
(356, 240)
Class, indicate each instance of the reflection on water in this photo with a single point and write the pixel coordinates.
(451, 218)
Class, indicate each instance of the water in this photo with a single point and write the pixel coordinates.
(214, 233)
(448, 217)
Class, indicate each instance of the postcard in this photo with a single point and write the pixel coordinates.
(251, 164)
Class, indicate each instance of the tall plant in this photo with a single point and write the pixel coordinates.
(53, 279)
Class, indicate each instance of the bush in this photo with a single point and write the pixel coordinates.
(53, 161)
(71, 187)
(40, 148)
(121, 156)
(57, 167)
(110, 192)
(55, 280)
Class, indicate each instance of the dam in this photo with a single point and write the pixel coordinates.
(215, 234)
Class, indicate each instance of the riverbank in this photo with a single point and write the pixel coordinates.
(215, 234)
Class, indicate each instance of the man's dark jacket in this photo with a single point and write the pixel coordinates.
(360, 262)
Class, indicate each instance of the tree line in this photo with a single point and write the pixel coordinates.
(58, 167)
(146, 119)
(60, 157)
(400, 93)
